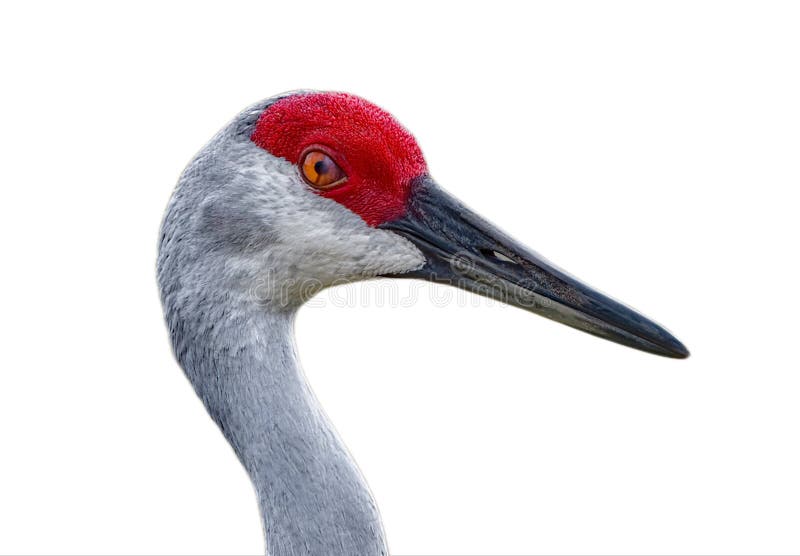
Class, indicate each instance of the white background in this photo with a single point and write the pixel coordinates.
(650, 149)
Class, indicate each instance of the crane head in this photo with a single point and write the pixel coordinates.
(310, 189)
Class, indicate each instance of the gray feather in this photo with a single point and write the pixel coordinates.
(244, 242)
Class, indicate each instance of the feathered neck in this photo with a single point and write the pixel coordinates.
(313, 499)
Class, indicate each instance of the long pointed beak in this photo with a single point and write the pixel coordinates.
(463, 250)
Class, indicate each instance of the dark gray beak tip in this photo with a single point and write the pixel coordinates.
(675, 349)
(659, 340)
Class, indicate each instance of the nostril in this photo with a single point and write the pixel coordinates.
(492, 254)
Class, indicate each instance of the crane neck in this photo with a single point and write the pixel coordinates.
(312, 496)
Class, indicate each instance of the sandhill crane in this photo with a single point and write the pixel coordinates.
(298, 192)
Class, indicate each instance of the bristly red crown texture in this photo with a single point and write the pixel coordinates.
(379, 156)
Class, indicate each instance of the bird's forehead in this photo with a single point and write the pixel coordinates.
(338, 120)
(379, 155)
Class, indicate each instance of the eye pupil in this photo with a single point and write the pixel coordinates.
(320, 171)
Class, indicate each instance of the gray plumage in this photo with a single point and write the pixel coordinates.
(243, 244)
(245, 241)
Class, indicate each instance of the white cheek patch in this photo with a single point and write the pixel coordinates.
(314, 237)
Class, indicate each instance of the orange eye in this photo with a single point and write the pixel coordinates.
(320, 170)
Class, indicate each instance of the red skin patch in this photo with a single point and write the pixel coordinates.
(379, 156)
